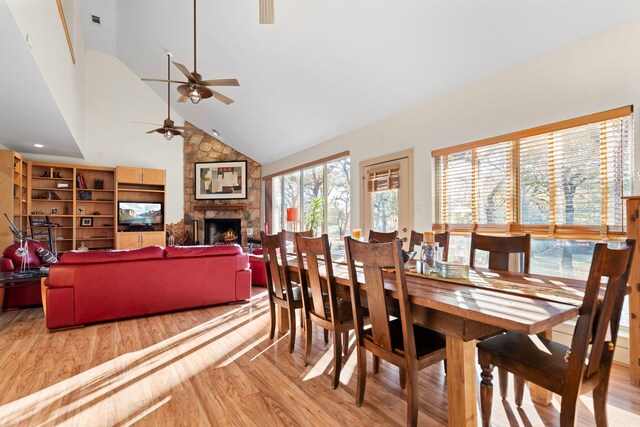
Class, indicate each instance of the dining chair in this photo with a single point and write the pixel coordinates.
(499, 248)
(290, 242)
(441, 239)
(568, 371)
(290, 236)
(394, 339)
(320, 299)
(382, 237)
(281, 290)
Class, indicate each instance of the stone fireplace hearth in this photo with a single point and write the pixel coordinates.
(219, 231)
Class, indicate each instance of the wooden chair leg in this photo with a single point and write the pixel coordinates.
(362, 375)
(302, 322)
(518, 385)
(326, 336)
(411, 378)
(403, 378)
(292, 328)
(503, 380)
(345, 341)
(337, 358)
(600, 403)
(568, 411)
(376, 364)
(486, 395)
(272, 330)
(308, 333)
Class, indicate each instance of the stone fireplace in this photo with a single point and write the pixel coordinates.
(202, 147)
(218, 231)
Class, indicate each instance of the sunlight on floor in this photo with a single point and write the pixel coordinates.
(102, 395)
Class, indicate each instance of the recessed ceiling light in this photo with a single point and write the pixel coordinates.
(38, 145)
(95, 19)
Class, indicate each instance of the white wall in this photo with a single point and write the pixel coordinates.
(114, 98)
(596, 74)
(41, 20)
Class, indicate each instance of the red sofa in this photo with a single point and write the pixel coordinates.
(29, 294)
(95, 286)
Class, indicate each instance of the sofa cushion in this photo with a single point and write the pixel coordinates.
(199, 251)
(92, 257)
(46, 256)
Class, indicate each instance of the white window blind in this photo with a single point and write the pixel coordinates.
(383, 180)
(563, 180)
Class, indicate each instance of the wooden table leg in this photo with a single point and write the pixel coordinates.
(462, 382)
(540, 395)
(283, 319)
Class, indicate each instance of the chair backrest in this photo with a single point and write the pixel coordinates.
(499, 248)
(441, 238)
(318, 257)
(600, 320)
(383, 237)
(290, 236)
(275, 262)
(374, 257)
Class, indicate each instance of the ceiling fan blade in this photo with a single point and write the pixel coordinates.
(221, 97)
(220, 82)
(267, 12)
(162, 80)
(183, 98)
(146, 123)
(185, 71)
(154, 130)
(179, 127)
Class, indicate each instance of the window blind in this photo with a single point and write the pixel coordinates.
(383, 180)
(563, 180)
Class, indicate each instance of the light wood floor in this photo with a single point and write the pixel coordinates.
(216, 366)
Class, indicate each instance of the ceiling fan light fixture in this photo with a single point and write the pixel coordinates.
(195, 96)
(168, 134)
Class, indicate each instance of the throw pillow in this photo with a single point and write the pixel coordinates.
(46, 256)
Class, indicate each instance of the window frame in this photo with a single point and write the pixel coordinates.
(268, 183)
(514, 223)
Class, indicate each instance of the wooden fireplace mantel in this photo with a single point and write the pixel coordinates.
(221, 207)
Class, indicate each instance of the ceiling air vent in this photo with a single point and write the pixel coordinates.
(95, 19)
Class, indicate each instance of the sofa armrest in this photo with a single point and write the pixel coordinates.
(6, 264)
(61, 276)
(242, 262)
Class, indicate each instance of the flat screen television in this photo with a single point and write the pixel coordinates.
(140, 213)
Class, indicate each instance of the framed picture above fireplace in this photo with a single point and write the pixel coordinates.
(221, 180)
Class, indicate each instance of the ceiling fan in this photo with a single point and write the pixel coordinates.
(168, 128)
(267, 13)
(195, 88)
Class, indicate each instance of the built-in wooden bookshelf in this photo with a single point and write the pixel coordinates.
(13, 182)
(78, 200)
(140, 185)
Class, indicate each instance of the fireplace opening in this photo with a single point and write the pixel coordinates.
(219, 231)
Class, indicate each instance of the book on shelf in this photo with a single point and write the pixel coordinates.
(80, 180)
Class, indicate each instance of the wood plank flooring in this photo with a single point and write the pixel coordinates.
(216, 366)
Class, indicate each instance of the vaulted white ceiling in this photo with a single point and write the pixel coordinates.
(28, 111)
(331, 66)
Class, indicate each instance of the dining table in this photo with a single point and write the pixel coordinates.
(465, 310)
